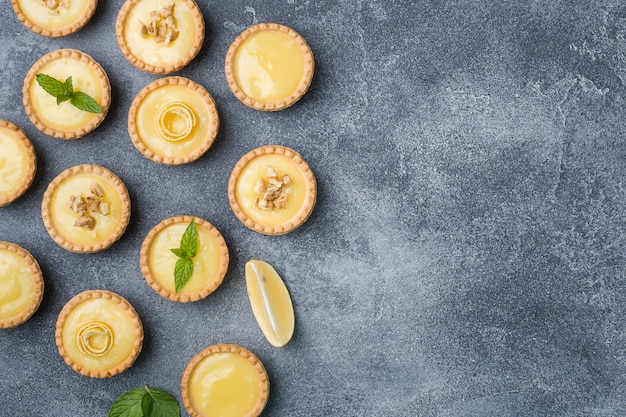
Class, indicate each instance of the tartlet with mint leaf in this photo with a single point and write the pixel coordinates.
(184, 258)
(66, 94)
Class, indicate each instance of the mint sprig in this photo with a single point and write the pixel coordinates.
(188, 249)
(64, 91)
(146, 402)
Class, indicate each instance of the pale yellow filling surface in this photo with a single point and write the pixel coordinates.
(268, 66)
(63, 217)
(17, 285)
(161, 260)
(270, 301)
(224, 385)
(99, 310)
(13, 162)
(256, 169)
(64, 116)
(147, 120)
(66, 14)
(147, 49)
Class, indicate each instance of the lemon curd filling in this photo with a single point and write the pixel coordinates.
(17, 285)
(53, 14)
(98, 334)
(249, 197)
(64, 217)
(14, 162)
(173, 121)
(155, 51)
(268, 66)
(224, 384)
(64, 116)
(162, 261)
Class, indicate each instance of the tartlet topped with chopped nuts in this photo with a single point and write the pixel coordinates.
(160, 36)
(272, 190)
(86, 208)
(54, 18)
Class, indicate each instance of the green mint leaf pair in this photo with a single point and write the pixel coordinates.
(146, 402)
(188, 249)
(64, 91)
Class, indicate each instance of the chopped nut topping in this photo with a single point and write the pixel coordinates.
(56, 7)
(85, 221)
(273, 191)
(162, 26)
(85, 207)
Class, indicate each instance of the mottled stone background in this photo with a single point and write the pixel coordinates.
(466, 254)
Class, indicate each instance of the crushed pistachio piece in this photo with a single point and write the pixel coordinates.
(162, 26)
(87, 207)
(272, 190)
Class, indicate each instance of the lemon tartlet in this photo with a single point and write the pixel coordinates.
(160, 36)
(18, 163)
(225, 380)
(54, 18)
(269, 67)
(65, 121)
(173, 121)
(158, 262)
(86, 208)
(21, 285)
(272, 190)
(99, 334)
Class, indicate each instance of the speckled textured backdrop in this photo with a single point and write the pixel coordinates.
(466, 254)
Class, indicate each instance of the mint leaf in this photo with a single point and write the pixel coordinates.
(146, 402)
(182, 273)
(64, 91)
(159, 404)
(84, 102)
(128, 404)
(189, 241)
(180, 253)
(53, 86)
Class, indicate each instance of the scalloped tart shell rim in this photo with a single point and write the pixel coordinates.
(47, 199)
(106, 93)
(305, 81)
(307, 207)
(32, 164)
(122, 302)
(219, 348)
(212, 285)
(37, 276)
(180, 81)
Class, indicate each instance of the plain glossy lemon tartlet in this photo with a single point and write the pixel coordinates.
(65, 121)
(158, 262)
(160, 36)
(269, 67)
(18, 163)
(173, 121)
(272, 190)
(225, 380)
(54, 18)
(86, 208)
(21, 285)
(99, 334)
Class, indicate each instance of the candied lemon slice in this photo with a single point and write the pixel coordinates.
(271, 303)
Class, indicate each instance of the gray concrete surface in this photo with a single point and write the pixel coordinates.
(466, 256)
